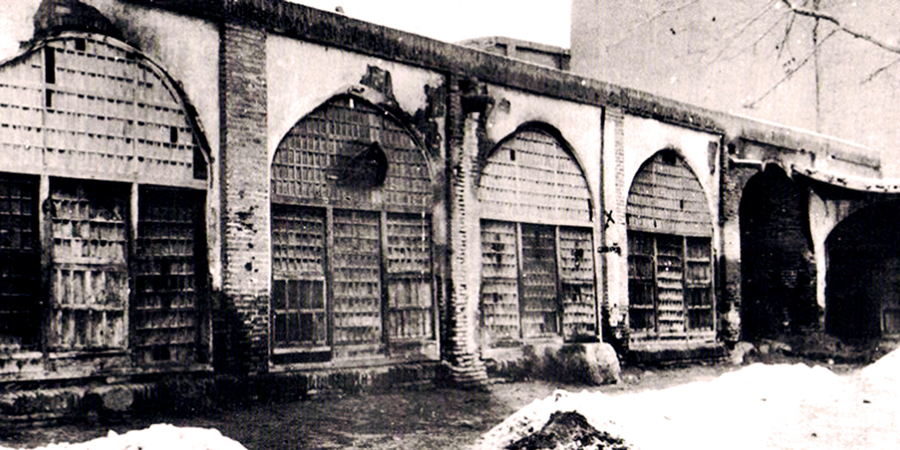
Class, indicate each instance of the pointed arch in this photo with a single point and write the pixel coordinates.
(352, 200)
(537, 278)
(90, 106)
(670, 257)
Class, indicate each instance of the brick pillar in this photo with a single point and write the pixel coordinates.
(245, 199)
(461, 350)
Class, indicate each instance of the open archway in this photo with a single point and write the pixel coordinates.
(862, 292)
(778, 294)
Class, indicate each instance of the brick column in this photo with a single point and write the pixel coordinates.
(245, 199)
(461, 349)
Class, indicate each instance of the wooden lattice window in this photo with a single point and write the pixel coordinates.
(500, 280)
(89, 272)
(670, 285)
(537, 259)
(19, 263)
(411, 312)
(369, 265)
(537, 281)
(357, 277)
(577, 282)
(299, 315)
(167, 286)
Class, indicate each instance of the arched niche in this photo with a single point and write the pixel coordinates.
(670, 257)
(537, 277)
(778, 272)
(352, 198)
(862, 290)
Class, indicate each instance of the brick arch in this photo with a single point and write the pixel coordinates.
(863, 275)
(777, 272)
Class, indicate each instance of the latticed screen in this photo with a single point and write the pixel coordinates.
(577, 281)
(369, 184)
(357, 277)
(19, 263)
(540, 309)
(499, 280)
(698, 283)
(164, 313)
(536, 278)
(670, 284)
(411, 306)
(298, 300)
(89, 273)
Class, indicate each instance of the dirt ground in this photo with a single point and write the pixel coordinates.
(428, 419)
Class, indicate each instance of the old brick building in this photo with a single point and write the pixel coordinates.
(311, 202)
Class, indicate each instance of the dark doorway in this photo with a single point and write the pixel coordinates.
(778, 292)
(862, 293)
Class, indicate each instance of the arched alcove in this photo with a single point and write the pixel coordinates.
(862, 290)
(352, 200)
(670, 270)
(537, 259)
(777, 270)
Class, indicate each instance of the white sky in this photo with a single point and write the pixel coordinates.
(544, 21)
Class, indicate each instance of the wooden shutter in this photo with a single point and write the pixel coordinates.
(19, 263)
(540, 304)
(164, 315)
(357, 277)
(576, 258)
(90, 273)
(698, 283)
(499, 281)
(298, 271)
(642, 281)
(411, 308)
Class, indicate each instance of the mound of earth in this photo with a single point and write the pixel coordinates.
(568, 430)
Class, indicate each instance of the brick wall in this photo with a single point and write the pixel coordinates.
(243, 308)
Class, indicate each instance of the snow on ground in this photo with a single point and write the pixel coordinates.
(156, 437)
(756, 407)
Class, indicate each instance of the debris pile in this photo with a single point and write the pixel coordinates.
(759, 406)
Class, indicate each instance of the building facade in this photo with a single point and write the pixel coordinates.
(311, 202)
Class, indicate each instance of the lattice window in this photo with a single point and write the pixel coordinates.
(85, 106)
(19, 263)
(642, 281)
(698, 283)
(536, 281)
(90, 273)
(670, 283)
(320, 159)
(366, 175)
(165, 309)
(411, 308)
(577, 281)
(531, 177)
(540, 307)
(299, 314)
(357, 277)
(499, 280)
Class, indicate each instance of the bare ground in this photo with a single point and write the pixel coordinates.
(437, 418)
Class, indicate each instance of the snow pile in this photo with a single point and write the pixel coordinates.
(759, 406)
(157, 437)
